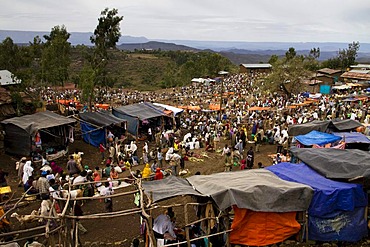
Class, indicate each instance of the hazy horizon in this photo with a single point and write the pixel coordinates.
(206, 20)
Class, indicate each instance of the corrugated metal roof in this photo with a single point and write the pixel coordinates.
(367, 66)
(328, 71)
(257, 65)
(360, 71)
(358, 76)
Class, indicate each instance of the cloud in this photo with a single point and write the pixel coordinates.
(262, 20)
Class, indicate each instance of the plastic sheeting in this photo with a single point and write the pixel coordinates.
(20, 130)
(101, 119)
(334, 212)
(92, 135)
(317, 137)
(168, 187)
(258, 190)
(132, 121)
(353, 137)
(334, 125)
(302, 129)
(40, 120)
(335, 163)
(261, 228)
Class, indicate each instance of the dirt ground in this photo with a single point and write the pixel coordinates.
(120, 230)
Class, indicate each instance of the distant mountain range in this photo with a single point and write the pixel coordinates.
(237, 51)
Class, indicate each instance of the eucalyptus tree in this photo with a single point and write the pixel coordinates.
(56, 59)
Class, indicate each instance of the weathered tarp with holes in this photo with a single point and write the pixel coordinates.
(336, 212)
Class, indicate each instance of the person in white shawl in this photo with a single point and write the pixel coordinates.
(27, 171)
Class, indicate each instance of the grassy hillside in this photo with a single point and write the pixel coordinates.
(151, 70)
(128, 70)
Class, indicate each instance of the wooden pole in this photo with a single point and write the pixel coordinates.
(16, 204)
(306, 222)
(21, 231)
(227, 222)
(187, 234)
(147, 216)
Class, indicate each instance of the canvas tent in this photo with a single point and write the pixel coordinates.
(337, 209)
(265, 206)
(173, 109)
(341, 164)
(94, 126)
(317, 137)
(354, 140)
(167, 188)
(20, 132)
(258, 190)
(329, 126)
(137, 113)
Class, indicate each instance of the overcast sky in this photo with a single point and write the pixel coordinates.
(211, 20)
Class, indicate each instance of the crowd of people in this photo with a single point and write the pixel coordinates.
(166, 151)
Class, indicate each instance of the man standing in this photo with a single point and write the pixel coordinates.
(250, 158)
(43, 185)
(258, 142)
(107, 191)
(239, 147)
(72, 166)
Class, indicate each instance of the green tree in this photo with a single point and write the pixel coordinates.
(107, 32)
(287, 75)
(332, 63)
(105, 37)
(290, 54)
(273, 59)
(35, 50)
(311, 62)
(315, 53)
(55, 59)
(9, 55)
(87, 84)
(348, 56)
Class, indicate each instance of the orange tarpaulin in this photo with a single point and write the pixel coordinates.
(63, 101)
(224, 94)
(102, 106)
(214, 107)
(67, 101)
(190, 107)
(292, 106)
(361, 98)
(257, 108)
(262, 228)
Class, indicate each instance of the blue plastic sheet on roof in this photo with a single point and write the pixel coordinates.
(337, 209)
(317, 137)
(353, 137)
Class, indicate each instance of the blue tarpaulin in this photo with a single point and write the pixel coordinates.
(317, 137)
(353, 137)
(92, 135)
(337, 209)
(132, 121)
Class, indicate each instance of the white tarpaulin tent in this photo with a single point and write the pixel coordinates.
(175, 110)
